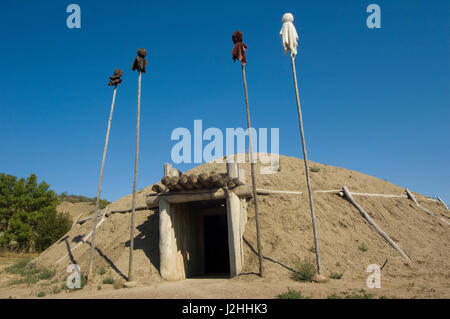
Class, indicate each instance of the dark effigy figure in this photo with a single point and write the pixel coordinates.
(140, 62)
(116, 79)
(239, 48)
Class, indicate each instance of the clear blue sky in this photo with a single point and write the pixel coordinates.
(374, 101)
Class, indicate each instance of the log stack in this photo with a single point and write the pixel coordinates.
(193, 182)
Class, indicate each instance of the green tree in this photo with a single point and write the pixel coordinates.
(28, 213)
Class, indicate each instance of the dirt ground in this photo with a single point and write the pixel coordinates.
(287, 237)
(252, 286)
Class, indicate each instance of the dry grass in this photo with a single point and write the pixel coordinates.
(4, 253)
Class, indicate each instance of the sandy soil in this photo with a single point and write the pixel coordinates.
(286, 237)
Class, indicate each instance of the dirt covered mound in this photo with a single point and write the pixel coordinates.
(348, 244)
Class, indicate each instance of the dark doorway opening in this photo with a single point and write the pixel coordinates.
(202, 237)
(217, 260)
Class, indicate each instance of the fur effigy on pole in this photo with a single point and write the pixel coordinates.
(114, 80)
(238, 53)
(289, 39)
(139, 64)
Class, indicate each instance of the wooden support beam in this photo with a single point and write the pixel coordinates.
(411, 196)
(261, 191)
(196, 195)
(442, 202)
(123, 211)
(349, 197)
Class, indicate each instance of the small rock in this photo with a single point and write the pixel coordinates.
(129, 284)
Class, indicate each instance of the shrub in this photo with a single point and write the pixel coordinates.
(305, 270)
(46, 274)
(41, 294)
(102, 271)
(314, 169)
(292, 294)
(361, 295)
(29, 272)
(108, 281)
(334, 296)
(335, 275)
(363, 247)
(56, 290)
(19, 267)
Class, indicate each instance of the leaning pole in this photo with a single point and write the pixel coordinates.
(239, 54)
(289, 37)
(114, 80)
(139, 64)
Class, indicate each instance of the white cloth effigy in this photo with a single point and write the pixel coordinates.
(289, 35)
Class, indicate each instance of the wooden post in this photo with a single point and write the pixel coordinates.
(133, 202)
(99, 190)
(237, 174)
(349, 197)
(252, 167)
(167, 168)
(305, 158)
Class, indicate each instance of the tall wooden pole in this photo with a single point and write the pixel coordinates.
(91, 253)
(311, 203)
(133, 203)
(252, 166)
